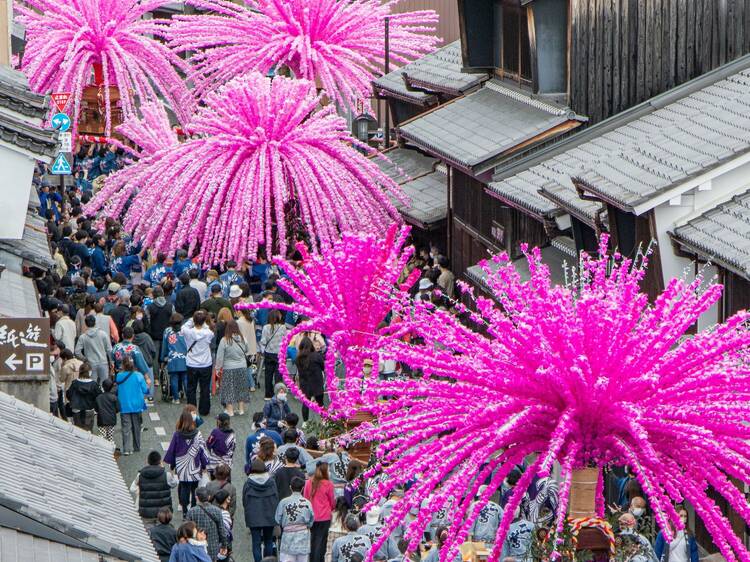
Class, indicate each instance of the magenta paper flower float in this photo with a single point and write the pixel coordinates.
(586, 375)
(257, 146)
(339, 43)
(344, 293)
(65, 41)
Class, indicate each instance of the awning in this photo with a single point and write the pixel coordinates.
(438, 72)
(559, 256)
(476, 132)
(721, 235)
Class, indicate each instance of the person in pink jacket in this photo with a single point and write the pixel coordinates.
(319, 490)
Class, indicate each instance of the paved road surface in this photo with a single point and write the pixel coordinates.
(160, 421)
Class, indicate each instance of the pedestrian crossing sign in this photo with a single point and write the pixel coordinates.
(61, 165)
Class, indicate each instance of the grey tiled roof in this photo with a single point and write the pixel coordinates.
(33, 247)
(16, 95)
(404, 164)
(471, 131)
(679, 141)
(722, 234)
(429, 198)
(426, 188)
(20, 546)
(437, 72)
(520, 191)
(74, 485)
(42, 143)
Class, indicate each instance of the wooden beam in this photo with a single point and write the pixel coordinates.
(6, 26)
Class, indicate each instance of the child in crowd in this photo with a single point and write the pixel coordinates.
(107, 409)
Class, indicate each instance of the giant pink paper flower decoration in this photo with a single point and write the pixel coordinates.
(258, 145)
(345, 294)
(65, 40)
(339, 43)
(584, 375)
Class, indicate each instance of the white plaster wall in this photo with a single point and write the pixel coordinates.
(16, 173)
(695, 202)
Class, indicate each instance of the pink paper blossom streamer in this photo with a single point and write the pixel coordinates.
(339, 43)
(258, 144)
(588, 374)
(345, 292)
(64, 40)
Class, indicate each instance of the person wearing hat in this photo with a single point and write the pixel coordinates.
(295, 516)
(374, 529)
(221, 443)
(216, 301)
(353, 541)
(487, 522)
(229, 278)
(424, 288)
(277, 408)
(260, 498)
(235, 293)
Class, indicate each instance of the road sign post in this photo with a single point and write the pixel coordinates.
(24, 346)
(61, 122)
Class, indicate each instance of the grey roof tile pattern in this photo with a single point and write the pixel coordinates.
(77, 487)
(722, 234)
(34, 246)
(42, 143)
(439, 71)
(472, 130)
(16, 95)
(404, 164)
(15, 546)
(673, 144)
(429, 198)
(521, 191)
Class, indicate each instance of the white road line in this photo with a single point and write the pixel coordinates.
(160, 431)
(165, 445)
(154, 416)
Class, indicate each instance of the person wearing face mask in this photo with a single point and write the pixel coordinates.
(187, 457)
(683, 547)
(277, 408)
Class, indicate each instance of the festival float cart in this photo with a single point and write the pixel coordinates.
(581, 376)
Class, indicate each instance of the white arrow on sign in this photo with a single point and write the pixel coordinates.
(11, 362)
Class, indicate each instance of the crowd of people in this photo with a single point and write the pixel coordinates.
(130, 326)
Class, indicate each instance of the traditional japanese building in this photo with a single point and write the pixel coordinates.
(568, 89)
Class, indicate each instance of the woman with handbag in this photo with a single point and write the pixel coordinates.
(231, 362)
(187, 457)
(270, 343)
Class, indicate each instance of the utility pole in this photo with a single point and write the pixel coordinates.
(387, 127)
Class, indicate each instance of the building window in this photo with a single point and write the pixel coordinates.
(515, 48)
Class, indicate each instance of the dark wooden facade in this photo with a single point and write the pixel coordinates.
(482, 223)
(624, 52)
(736, 294)
(610, 54)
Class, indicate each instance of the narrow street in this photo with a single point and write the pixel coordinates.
(160, 421)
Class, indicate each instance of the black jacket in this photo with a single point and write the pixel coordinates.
(106, 409)
(259, 500)
(158, 315)
(311, 379)
(120, 314)
(154, 491)
(188, 300)
(283, 477)
(164, 538)
(82, 394)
